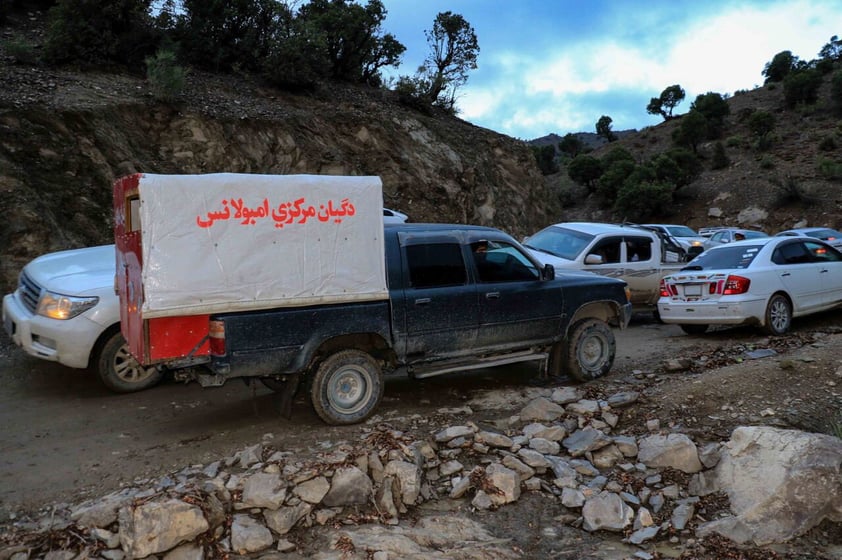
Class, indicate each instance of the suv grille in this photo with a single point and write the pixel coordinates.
(30, 292)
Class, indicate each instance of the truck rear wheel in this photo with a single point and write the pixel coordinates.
(589, 350)
(347, 387)
(119, 370)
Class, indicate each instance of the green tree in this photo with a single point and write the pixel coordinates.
(585, 170)
(832, 50)
(166, 77)
(225, 34)
(689, 167)
(714, 107)
(545, 158)
(802, 87)
(667, 102)
(615, 154)
(93, 33)
(692, 130)
(351, 35)
(780, 66)
(615, 175)
(638, 202)
(454, 50)
(761, 124)
(603, 128)
(571, 145)
(296, 58)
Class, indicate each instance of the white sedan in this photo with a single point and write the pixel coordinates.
(765, 282)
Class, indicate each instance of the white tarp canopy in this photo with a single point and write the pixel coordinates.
(228, 241)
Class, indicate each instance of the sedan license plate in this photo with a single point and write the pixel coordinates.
(692, 290)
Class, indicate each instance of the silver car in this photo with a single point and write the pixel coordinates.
(828, 235)
(729, 235)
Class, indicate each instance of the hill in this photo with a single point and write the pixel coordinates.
(67, 135)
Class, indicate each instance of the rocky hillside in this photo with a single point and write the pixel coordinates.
(66, 137)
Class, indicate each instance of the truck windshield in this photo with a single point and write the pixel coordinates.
(559, 242)
(681, 231)
(725, 258)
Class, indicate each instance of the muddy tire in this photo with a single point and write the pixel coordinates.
(118, 369)
(589, 350)
(778, 315)
(694, 329)
(347, 387)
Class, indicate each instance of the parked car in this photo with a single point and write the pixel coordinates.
(683, 236)
(764, 281)
(730, 235)
(710, 230)
(831, 236)
(635, 254)
(394, 217)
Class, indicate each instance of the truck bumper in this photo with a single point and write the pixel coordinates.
(66, 342)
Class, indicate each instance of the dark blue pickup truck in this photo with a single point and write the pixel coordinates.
(460, 297)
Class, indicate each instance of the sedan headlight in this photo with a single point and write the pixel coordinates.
(57, 306)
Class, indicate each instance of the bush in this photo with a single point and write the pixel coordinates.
(612, 180)
(830, 169)
(166, 78)
(802, 88)
(767, 162)
(790, 191)
(836, 92)
(828, 144)
(545, 158)
(720, 158)
(734, 142)
(638, 202)
(585, 170)
(21, 51)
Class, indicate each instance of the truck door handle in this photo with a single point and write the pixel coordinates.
(492, 295)
(785, 274)
(422, 301)
(823, 271)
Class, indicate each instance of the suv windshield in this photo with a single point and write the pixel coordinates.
(559, 242)
(726, 257)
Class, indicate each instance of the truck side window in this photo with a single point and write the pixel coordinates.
(638, 249)
(435, 264)
(608, 249)
(500, 262)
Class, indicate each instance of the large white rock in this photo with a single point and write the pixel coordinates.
(780, 483)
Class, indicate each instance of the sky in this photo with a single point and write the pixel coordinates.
(557, 66)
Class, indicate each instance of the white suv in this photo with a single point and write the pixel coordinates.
(65, 310)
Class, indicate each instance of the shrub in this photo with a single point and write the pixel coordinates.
(720, 158)
(585, 170)
(790, 191)
(639, 201)
(836, 92)
(734, 142)
(166, 78)
(612, 180)
(21, 51)
(828, 144)
(545, 158)
(830, 169)
(767, 162)
(802, 88)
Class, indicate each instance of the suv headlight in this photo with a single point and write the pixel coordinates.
(57, 306)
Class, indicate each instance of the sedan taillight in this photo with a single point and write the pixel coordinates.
(736, 285)
(667, 290)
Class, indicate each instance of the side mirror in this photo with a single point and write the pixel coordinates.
(593, 258)
(548, 272)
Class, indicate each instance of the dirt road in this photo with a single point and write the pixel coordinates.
(65, 437)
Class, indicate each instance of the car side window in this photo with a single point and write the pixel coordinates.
(822, 253)
(718, 237)
(435, 264)
(497, 261)
(608, 249)
(791, 253)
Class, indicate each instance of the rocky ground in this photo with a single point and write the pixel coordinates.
(702, 388)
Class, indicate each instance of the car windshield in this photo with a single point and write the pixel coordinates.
(681, 231)
(825, 234)
(559, 242)
(725, 257)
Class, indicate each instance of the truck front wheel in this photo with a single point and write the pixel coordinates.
(119, 370)
(347, 387)
(589, 351)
